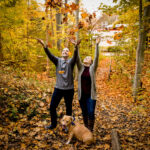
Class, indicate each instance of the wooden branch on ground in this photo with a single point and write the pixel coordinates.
(115, 140)
(109, 73)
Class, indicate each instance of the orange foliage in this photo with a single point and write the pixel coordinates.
(80, 25)
(50, 33)
(69, 8)
(73, 6)
(73, 30)
(53, 3)
(49, 45)
(94, 15)
(65, 19)
(117, 36)
(109, 42)
(84, 15)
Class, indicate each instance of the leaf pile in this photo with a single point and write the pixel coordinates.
(24, 113)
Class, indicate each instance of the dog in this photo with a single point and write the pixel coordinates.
(76, 129)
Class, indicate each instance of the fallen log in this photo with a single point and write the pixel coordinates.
(115, 140)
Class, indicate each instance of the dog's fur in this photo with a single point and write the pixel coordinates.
(76, 129)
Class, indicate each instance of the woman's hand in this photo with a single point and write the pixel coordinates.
(98, 39)
(41, 42)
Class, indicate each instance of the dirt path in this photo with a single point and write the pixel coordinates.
(116, 111)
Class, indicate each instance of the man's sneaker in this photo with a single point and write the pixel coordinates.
(50, 127)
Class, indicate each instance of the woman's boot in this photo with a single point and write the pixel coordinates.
(91, 124)
(85, 120)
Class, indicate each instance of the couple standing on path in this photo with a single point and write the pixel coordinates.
(65, 86)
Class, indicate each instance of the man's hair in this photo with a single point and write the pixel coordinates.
(66, 49)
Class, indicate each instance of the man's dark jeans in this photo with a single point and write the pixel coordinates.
(88, 107)
(58, 94)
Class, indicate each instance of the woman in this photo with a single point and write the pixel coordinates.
(87, 86)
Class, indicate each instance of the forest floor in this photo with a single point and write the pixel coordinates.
(24, 103)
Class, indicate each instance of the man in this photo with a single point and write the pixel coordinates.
(64, 81)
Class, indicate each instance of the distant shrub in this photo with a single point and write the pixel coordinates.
(114, 49)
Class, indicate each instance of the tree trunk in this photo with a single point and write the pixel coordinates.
(47, 28)
(77, 33)
(66, 1)
(1, 53)
(52, 28)
(77, 19)
(65, 16)
(27, 28)
(58, 27)
(140, 49)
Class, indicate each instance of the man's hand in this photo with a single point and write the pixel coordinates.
(75, 43)
(41, 42)
(78, 42)
(98, 39)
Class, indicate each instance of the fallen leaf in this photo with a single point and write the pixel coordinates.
(84, 15)
(106, 146)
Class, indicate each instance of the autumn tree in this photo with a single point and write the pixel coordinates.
(135, 14)
(20, 22)
(144, 20)
(58, 24)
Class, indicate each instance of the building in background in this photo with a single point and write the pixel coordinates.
(109, 30)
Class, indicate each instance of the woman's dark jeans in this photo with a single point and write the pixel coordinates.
(58, 94)
(88, 107)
